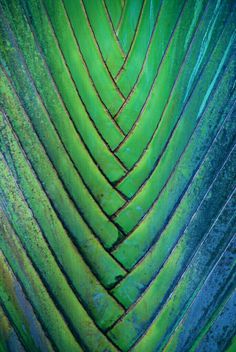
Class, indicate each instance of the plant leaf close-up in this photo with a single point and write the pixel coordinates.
(117, 175)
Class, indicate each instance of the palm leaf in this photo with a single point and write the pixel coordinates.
(117, 175)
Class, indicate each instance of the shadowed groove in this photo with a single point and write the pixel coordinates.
(134, 174)
(72, 310)
(105, 37)
(128, 60)
(135, 215)
(105, 105)
(162, 311)
(132, 41)
(111, 22)
(114, 9)
(45, 284)
(217, 311)
(31, 282)
(125, 150)
(76, 203)
(160, 226)
(110, 131)
(66, 156)
(127, 329)
(84, 105)
(63, 261)
(161, 211)
(222, 325)
(77, 225)
(131, 96)
(19, 311)
(100, 64)
(115, 249)
(8, 335)
(77, 96)
(128, 24)
(76, 162)
(145, 268)
(152, 263)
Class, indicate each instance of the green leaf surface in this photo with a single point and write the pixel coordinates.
(117, 176)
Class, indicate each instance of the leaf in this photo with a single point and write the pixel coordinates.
(117, 175)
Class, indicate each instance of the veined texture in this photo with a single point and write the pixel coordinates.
(117, 175)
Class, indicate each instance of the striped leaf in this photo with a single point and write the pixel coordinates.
(117, 175)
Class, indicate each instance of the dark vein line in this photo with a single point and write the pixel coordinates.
(55, 129)
(210, 320)
(54, 254)
(164, 110)
(51, 341)
(188, 262)
(117, 39)
(64, 274)
(13, 326)
(181, 198)
(180, 276)
(87, 69)
(128, 98)
(72, 237)
(46, 286)
(166, 146)
(148, 97)
(121, 19)
(134, 37)
(210, 98)
(184, 230)
(134, 40)
(76, 89)
(65, 108)
(100, 51)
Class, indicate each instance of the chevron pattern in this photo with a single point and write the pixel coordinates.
(117, 175)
